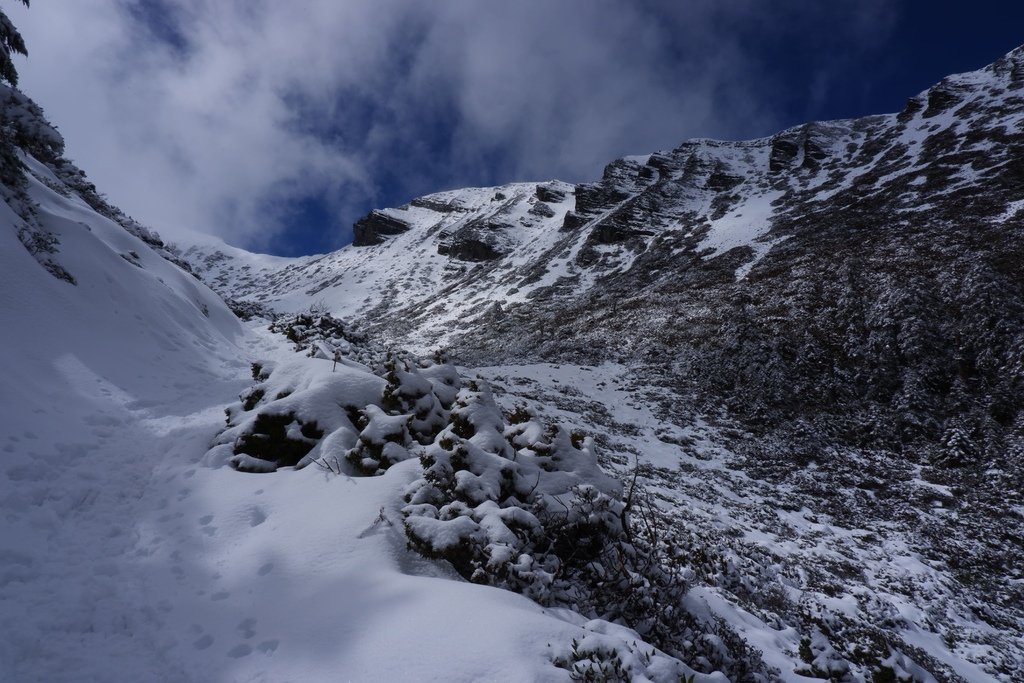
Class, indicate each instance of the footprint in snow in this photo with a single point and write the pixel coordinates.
(239, 651)
(267, 646)
(266, 569)
(203, 642)
(256, 516)
(221, 595)
(246, 627)
(205, 519)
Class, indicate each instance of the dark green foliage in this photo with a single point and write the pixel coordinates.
(10, 41)
(269, 440)
(251, 397)
(247, 310)
(884, 674)
(519, 415)
(461, 426)
(805, 650)
(594, 666)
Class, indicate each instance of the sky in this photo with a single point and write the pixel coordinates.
(275, 125)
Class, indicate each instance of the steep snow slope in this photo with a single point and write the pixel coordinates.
(88, 371)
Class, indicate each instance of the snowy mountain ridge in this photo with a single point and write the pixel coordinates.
(710, 205)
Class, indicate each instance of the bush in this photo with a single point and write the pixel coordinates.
(526, 508)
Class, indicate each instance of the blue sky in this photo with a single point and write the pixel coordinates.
(276, 125)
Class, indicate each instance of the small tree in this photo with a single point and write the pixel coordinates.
(958, 448)
(10, 42)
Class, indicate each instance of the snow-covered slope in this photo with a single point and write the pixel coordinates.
(819, 335)
(126, 557)
(91, 376)
(477, 242)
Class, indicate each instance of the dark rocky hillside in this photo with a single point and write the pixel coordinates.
(881, 336)
(891, 300)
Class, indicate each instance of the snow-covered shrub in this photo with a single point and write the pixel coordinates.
(383, 441)
(261, 370)
(414, 408)
(527, 508)
(251, 397)
(247, 310)
(410, 392)
(277, 440)
(956, 448)
(480, 501)
(321, 335)
(297, 412)
(609, 652)
(821, 659)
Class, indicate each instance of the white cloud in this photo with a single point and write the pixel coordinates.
(270, 101)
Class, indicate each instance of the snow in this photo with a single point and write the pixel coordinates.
(741, 226)
(1012, 209)
(123, 557)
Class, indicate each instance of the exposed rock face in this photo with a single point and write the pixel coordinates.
(374, 227)
(543, 210)
(572, 221)
(469, 249)
(551, 193)
(478, 239)
(437, 205)
(784, 152)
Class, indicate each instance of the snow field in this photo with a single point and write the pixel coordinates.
(122, 558)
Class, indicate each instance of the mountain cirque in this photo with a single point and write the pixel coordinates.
(841, 306)
(801, 359)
